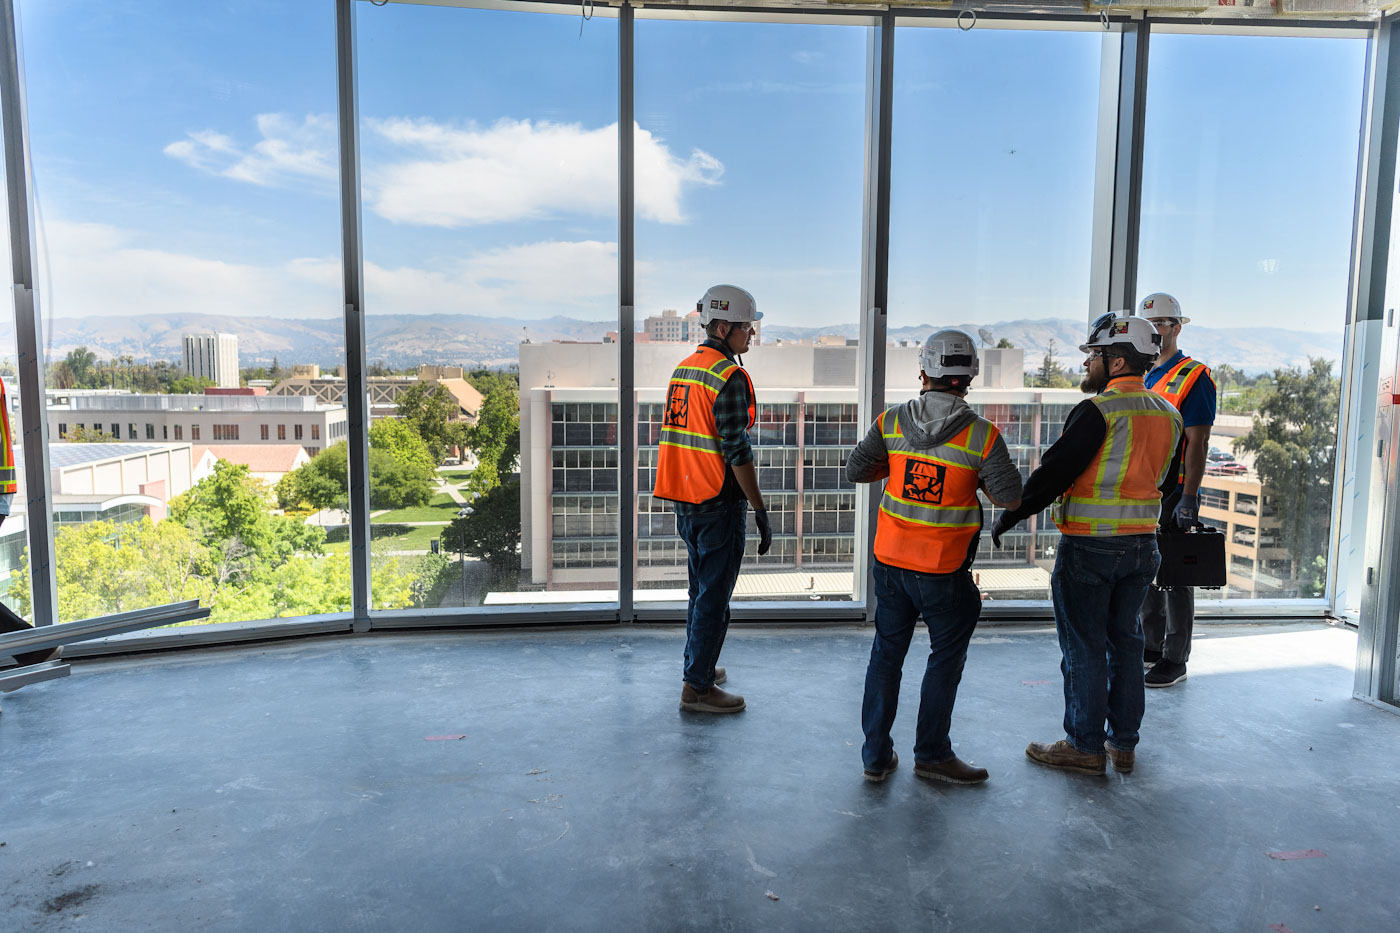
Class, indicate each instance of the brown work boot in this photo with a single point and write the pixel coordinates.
(953, 771)
(1123, 759)
(720, 676)
(1066, 757)
(877, 775)
(713, 700)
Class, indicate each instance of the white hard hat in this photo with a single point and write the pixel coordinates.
(948, 355)
(728, 303)
(1123, 328)
(1160, 304)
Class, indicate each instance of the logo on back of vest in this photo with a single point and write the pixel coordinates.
(923, 481)
(677, 406)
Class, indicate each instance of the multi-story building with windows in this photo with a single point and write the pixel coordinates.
(671, 326)
(213, 357)
(807, 422)
(307, 381)
(241, 419)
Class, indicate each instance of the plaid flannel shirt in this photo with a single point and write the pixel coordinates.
(732, 422)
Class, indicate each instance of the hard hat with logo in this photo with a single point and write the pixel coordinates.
(728, 303)
(1123, 329)
(1160, 304)
(949, 356)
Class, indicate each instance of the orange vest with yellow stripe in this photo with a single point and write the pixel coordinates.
(1175, 384)
(1117, 494)
(690, 464)
(930, 514)
(7, 447)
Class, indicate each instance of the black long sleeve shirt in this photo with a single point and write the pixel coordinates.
(1070, 456)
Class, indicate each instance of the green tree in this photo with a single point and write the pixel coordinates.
(188, 385)
(1004, 344)
(103, 568)
(400, 440)
(78, 434)
(429, 408)
(492, 532)
(495, 438)
(1051, 375)
(1293, 441)
(82, 362)
(321, 483)
(228, 513)
(324, 482)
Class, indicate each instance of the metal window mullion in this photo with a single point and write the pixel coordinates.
(875, 271)
(1375, 677)
(352, 268)
(1127, 183)
(626, 322)
(29, 330)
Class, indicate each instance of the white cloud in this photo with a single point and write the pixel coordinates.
(101, 270)
(520, 170)
(807, 57)
(288, 152)
(98, 269)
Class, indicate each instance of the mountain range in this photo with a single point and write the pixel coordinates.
(476, 341)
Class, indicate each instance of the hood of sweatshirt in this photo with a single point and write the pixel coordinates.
(933, 417)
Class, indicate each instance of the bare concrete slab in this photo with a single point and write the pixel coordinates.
(319, 784)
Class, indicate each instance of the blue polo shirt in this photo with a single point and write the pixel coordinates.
(1199, 405)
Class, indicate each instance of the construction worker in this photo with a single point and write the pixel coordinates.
(9, 621)
(936, 453)
(705, 467)
(1168, 614)
(1117, 454)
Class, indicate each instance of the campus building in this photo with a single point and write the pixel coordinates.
(241, 419)
(213, 357)
(307, 381)
(807, 422)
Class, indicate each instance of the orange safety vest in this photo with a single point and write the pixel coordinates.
(1175, 385)
(930, 514)
(690, 465)
(1117, 493)
(7, 447)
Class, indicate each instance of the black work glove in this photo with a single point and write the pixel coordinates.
(765, 531)
(1004, 523)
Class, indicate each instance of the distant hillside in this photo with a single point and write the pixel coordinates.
(471, 340)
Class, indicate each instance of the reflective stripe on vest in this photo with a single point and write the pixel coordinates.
(1117, 493)
(1175, 385)
(930, 514)
(7, 447)
(690, 462)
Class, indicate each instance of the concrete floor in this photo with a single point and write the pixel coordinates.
(290, 787)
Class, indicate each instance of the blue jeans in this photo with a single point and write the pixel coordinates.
(1098, 586)
(714, 542)
(950, 605)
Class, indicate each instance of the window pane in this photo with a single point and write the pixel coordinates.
(766, 162)
(1258, 255)
(489, 142)
(186, 154)
(991, 218)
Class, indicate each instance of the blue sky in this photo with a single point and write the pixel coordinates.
(185, 157)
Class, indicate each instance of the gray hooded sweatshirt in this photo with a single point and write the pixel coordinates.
(927, 421)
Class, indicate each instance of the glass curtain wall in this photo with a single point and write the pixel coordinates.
(184, 168)
(1248, 182)
(13, 527)
(991, 217)
(750, 162)
(489, 187)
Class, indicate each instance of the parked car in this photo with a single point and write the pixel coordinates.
(1215, 455)
(1228, 468)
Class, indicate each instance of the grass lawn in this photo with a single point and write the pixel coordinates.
(454, 477)
(440, 508)
(389, 538)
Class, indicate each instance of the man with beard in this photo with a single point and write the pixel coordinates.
(1120, 450)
